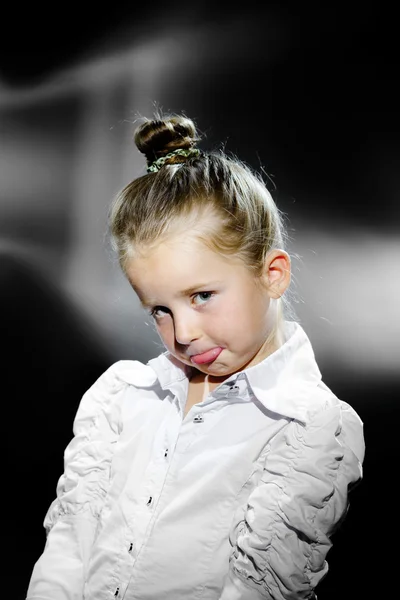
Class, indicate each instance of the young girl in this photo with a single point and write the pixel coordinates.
(219, 469)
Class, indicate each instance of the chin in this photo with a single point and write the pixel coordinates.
(217, 370)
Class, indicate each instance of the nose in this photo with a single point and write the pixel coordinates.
(186, 328)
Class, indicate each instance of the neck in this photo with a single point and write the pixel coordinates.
(206, 390)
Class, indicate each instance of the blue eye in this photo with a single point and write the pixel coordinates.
(158, 312)
(204, 297)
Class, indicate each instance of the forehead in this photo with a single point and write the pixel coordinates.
(178, 266)
(178, 254)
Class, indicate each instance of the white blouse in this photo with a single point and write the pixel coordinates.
(235, 501)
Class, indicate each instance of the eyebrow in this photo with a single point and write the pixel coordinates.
(187, 292)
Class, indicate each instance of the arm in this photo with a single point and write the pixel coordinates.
(281, 543)
(71, 521)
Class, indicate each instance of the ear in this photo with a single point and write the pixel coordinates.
(277, 272)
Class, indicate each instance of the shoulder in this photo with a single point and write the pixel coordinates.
(333, 418)
(130, 372)
(315, 463)
(103, 399)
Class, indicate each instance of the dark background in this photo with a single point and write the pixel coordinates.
(327, 103)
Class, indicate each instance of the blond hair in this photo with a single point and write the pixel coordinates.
(188, 188)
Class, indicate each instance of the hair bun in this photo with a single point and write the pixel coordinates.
(158, 137)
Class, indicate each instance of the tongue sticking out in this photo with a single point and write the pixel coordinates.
(206, 357)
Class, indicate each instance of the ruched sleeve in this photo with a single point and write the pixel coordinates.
(72, 518)
(284, 533)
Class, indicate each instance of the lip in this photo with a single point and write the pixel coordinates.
(206, 357)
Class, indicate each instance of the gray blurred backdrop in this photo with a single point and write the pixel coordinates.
(308, 93)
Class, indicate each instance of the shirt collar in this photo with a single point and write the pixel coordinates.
(171, 372)
(283, 382)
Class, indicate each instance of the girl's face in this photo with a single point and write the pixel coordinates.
(208, 310)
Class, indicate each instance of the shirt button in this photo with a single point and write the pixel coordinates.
(233, 390)
(198, 419)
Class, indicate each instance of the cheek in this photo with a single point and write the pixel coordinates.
(165, 330)
(227, 321)
(247, 313)
(237, 312)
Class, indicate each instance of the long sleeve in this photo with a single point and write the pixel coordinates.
(71, 521)
(280, 544)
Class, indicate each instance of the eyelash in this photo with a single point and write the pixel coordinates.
(154, 310)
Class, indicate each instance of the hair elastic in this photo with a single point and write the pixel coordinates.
(157, 164)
